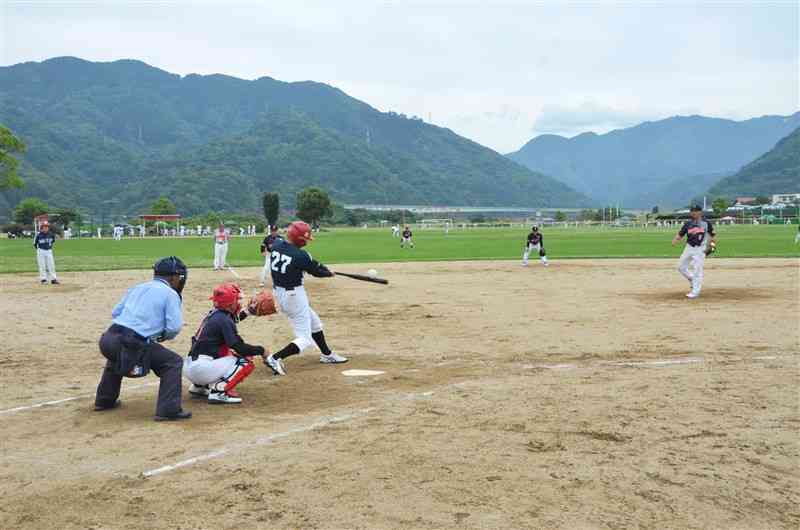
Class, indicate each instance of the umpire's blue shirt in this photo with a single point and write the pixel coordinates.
(151, 309)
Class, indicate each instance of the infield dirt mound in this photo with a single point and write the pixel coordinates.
(590, 394)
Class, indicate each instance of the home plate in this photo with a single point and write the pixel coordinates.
(361, 373)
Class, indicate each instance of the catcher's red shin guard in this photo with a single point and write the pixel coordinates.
(244, 368)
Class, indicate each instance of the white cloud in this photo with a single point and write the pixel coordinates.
(497, 73)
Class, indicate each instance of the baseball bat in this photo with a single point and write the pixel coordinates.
(362, 277)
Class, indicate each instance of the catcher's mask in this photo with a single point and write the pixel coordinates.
(172, 266)
(299, 233)
(228, 297)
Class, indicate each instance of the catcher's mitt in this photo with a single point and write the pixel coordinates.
(262, 304)
(711, 248)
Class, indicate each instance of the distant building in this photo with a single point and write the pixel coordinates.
(745, 200)
(785, 198)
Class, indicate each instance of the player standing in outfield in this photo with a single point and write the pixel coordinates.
(698, 246)
(148, 314)
(797, 237)
(43, 243)
(288, 262)
(219, 359)
(535, 242)
(406, 240)
(395, 231)
(221, 237)
(266, 249)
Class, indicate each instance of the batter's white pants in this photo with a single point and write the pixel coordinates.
(220, 253)
(527, 253)
(206, 370)
(305, 321)
(47, 265)
(695, 256)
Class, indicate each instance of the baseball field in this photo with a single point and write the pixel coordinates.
(588, 394)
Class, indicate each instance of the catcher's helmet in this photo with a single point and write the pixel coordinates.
(299, 233)
(172, 266)
(228, 297)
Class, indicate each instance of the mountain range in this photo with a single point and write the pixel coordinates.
(776, 171)
(664, 162)
(112, 137)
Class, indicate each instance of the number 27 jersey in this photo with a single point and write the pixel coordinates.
(287, 264)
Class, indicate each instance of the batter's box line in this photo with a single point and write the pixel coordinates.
(270, 438)
(652, 363)
(66, 400)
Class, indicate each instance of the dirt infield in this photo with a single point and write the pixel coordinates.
(591, 394)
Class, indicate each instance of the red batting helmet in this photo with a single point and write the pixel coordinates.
(299, 233)
(228, 297)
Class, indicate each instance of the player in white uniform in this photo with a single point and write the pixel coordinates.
(43, 243)
(221, 237)
(535, 242)
(395, 231)
(696, 250)
(288, 262)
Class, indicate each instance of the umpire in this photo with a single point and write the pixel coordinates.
(148, 314)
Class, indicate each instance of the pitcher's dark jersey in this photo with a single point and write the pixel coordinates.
(44, 241)
(287, 264)
(695, 231)
(535, 238)
(266, 245)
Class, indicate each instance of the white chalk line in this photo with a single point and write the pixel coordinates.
(66, 400)
(272, 437)
(651, 363)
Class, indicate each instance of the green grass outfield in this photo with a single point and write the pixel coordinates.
(358, 245)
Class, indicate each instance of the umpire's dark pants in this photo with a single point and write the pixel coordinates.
(166, 364)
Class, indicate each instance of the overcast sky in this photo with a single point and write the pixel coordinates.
(498, 73)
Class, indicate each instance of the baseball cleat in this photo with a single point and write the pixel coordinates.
(276, 365)
(198, 390)
(55, 282)
(100, 407)
(333, 358)
(43, 282)
(223, 398)
(692, 295)
(180, 415)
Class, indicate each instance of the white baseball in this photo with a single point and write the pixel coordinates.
(372, 273)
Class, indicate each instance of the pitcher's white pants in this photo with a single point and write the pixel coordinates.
(696, 256)
(305, 321)
(47, 265)
(206, 370)
(220, 252)
(527, 253)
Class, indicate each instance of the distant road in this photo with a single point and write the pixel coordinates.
(464, 209)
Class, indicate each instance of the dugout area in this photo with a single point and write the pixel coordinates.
(589, 394)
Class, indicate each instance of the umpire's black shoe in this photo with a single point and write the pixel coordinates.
(99, 406)
(180, 415)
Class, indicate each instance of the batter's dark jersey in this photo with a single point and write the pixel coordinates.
(287, 264)
(695, 231)
(535, 238)
(266, 245)
(44, 241)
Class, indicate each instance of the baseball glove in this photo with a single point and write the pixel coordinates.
(262, 304)
(711, 248)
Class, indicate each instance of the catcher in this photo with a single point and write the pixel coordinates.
(219, 359)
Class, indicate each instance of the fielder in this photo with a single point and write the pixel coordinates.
(148, 314)
(797, 237)
(288, 262)
(221, 237)
(535, 242)
(696, 250)
(219, 359)
(43, 243)
(266, 249)
(406, 240)
(395, 231)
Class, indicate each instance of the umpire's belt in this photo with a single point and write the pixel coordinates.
(122, 330)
